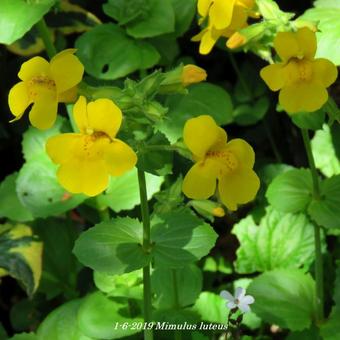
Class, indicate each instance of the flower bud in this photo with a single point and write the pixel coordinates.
(192, 74)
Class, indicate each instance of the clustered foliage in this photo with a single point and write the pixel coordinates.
(144, 197)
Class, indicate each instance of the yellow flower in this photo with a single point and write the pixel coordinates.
(215, 30)
(216, 160)
(301, 79)
(45, 84)
(221, 12)
(192, 74)
(88, 158)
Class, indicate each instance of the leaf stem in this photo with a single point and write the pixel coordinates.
(148, 334)
(177, 332)
(317, 229)
(46, 38)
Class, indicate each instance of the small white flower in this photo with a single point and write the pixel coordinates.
(240, 300)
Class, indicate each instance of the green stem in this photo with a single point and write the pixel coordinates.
(177, 333)
(317, 229)
(104, 214)
(239, 75)
(272, 141)
(46, 38)
(148, 334)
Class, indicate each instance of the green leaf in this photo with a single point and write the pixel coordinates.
(18, 17)
(212, 308)
(125, 11)
(157, 162)
(180, 238)
(291, 191)
(324, 149)
(326, 211)
(159, 19)
(326, 15)
(184, 14)
(108, 53)
(285, 297)
(11, 207)
(24, 336)
(123, 192)
(42, 194)
(62, 323)
(270, 10)
(249, 114)
(202, 99)
(60, 265)
(98, 316)
(281, 240)
(114, 246)
(309, 120)
(330, 330)
(34, 140)
(129, 285)
(20, 255)
(168, 48)
(188, 281)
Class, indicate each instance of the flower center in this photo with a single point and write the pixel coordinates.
(38, 83)
(299, 70)
(227, 161)
(93, 144)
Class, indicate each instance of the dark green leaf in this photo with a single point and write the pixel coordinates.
(99, 315)
(184, 14)
(188, 281)
(180, 238)
(291, 191)
(159, 19)
(202, 99)
(123, 192)
(108, 53)
(285, 297)
(114, 247)
(326, 211)
(309, 120)
(62, 323)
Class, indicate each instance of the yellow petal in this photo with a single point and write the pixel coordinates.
(287, 46)
(83, 176)
(307, 42)
(303, 97)
(203, 7)
(248, 4)
(200, 181)
(221, 13)
(324, 71)
(208, 40)
(242, 151)
(44, 110)
(18, 99)
(200, 134)
(236, 40)
(238, 188)
(36, 66)
(238, 19)
(80, 114)
(119, 157)
(62, 148)
(273, 76)
(66, 69)
(68, 96)
(104, 115)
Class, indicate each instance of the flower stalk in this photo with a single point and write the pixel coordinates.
(148, 334)
(46, 38)
(317, 229)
